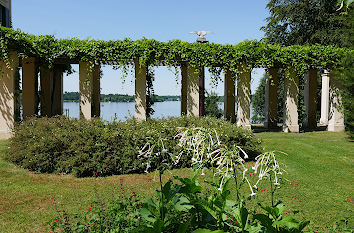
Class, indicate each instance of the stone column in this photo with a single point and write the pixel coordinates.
(57, 95)
(46, 80)
(291, 93)
(184, 89)
(9, 95)
(89, 90)
(229, 97)
(324, 98)
(193, 91)
(310, 97)
(336, 116)
(140, 91)
(244, 97)
(202, 91)
(271, 99)
(29, 87)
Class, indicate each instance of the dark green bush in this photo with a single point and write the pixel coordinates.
(84, 148)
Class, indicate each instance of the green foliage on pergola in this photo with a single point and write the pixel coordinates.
(217, 57)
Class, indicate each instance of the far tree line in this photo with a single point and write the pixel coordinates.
(75, 96)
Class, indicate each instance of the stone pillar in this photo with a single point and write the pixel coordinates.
(336, 116)
(271, 99)
(46, 80)
(324, 98)
(140, 91)
(310, 97)
(193, 92)
(244, 97)
(89, 90)
(184, 89)
(229, 97)
(57, 95)
(291, 93)
(29, 87)
(9, 95)
(202, 91)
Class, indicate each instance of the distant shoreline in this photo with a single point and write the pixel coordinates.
(121, 98)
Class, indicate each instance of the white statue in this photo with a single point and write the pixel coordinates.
(201, 35)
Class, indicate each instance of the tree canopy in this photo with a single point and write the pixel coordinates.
(304, 22)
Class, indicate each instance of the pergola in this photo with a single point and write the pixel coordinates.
(237, 87)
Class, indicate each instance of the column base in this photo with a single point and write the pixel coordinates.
(244, 126)
(323, 122)
(336, 128)
(4, 135)
(291, 128)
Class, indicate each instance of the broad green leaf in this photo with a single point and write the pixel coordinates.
(183, 227)
(182, 203)
(210, 211)
(244, 217)
(148, 215)
(289, 223)
(265, 221)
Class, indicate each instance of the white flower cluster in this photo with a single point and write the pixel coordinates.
(207, 150)
(267, 164)
(152, 151)
(200, 142)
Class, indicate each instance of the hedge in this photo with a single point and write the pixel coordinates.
(84, 148)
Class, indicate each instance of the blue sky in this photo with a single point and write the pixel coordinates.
(232, 21)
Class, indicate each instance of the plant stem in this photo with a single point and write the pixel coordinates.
(235, 178)
(162, 201)
(271, 189)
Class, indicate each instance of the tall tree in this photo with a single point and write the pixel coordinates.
(258, 102)
(211, 105)
(304, 22)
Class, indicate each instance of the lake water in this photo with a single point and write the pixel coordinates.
(121, 111)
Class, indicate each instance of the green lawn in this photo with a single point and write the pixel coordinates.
(322, 164)
(318, 163)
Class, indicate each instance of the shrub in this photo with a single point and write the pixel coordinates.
(84, 148)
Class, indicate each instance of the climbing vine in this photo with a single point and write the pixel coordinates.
(217, 57)
(150, 92)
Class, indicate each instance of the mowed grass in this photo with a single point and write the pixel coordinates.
(318, 164)
(321, 163)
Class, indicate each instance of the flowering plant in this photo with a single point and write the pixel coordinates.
(182, 206)
(208, 151)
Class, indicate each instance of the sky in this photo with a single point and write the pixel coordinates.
(231, 21)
